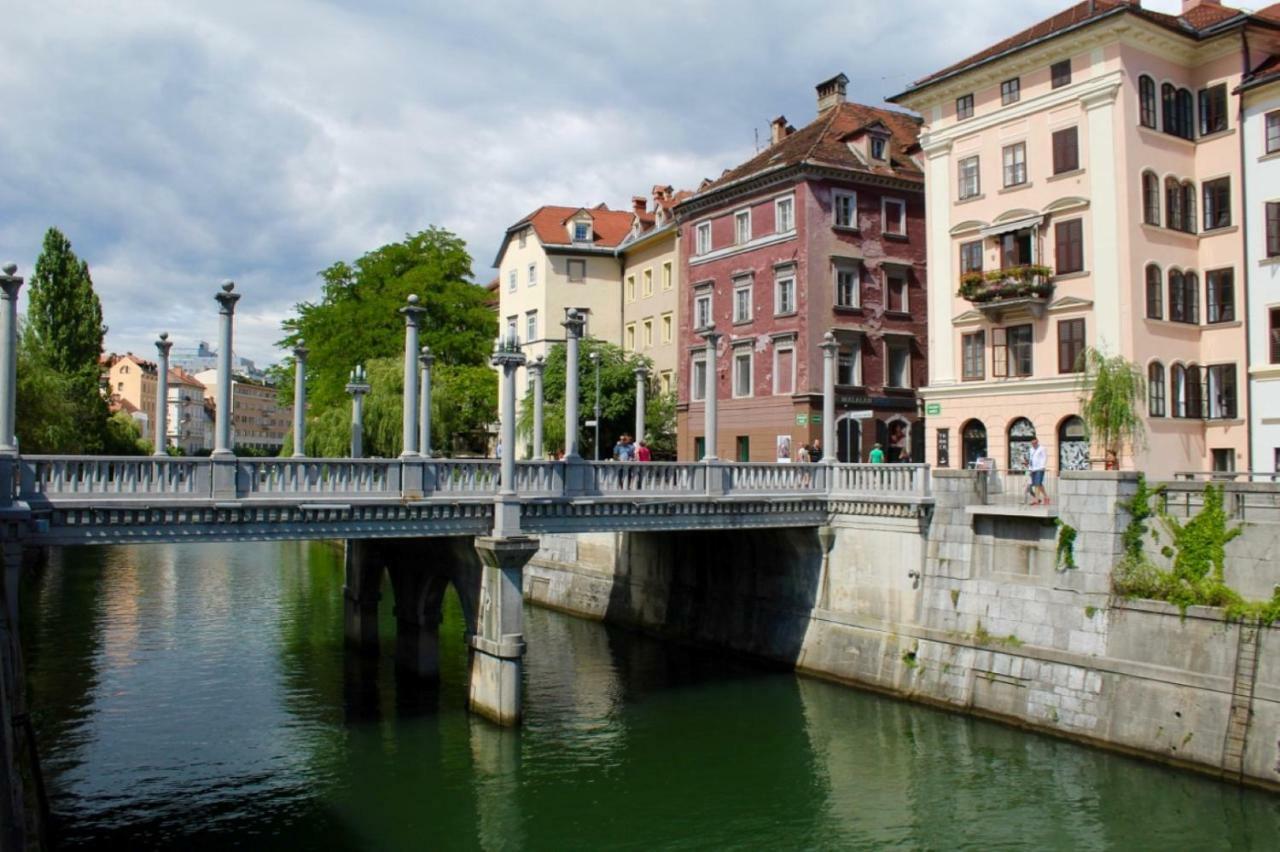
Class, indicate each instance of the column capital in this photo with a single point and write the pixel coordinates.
(10, 281)
(507, 353)
(426, 358)
(710, 335)
(164, 344)
(537, 365)
(300, 352)
(574, 322)
(227, 298)
(412, 310)
(829, 344)
(358, 383)
(642, 372)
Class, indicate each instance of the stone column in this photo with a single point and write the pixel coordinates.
(425, 362)
(712, 337)
(573, 325)
(358, 386)
(300, 400)
(412, 317)
(830, 348)
(361, 594)
(10, 283)
(163, 345)
(535, 369)
(498, 645)
(508, 357)
(226, 310)
(642, 381)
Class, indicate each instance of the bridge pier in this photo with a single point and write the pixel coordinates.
(498, 646)
(361, 593)
(419, 602)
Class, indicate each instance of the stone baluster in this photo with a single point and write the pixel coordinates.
(536, 369)
(426, 361)
(412, 319)
(161, 442)
(300, 400)
(358, 386)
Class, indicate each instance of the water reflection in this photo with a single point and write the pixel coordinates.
(200, 696)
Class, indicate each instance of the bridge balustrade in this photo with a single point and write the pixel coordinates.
(652, 479)
(880, 479)
(331, 477)
(110, 476)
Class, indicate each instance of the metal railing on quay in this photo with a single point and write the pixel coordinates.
(997, 487)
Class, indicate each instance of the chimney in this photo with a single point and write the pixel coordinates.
(639, 204)
(778, 129)
(1188, 5)
(831, 92)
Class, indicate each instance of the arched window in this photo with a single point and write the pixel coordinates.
(1178, 381)
(1155, 290)
(1177, 296)
(1020, 434)
(1186, 114)
(974, 437)
(1150, 199)
(1173, 204)
(1147, 97)
(1169, 102)
(1189, 207)
(1195, 393)
(1191, 291)
(1155, 389)
(1073, 444)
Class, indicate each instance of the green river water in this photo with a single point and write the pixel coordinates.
(199, 697)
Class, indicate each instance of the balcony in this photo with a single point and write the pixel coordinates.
(1000, 291)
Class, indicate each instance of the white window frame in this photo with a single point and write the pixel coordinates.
(702, 237)
(889, 345)
(743, 310)
(1005, 164)
(667, 322)
(531, 326)
(786, 276)
(698, 364)
(906, 290)
(884, 148)
(854, 352)
(705, 294)
(977, 177)
(787, 202)
(568, 269)
(739, 217)
(646, 287)
(744, 353)
(667, 279)
(836, 198)
(533, 275)
(513, 280)
(778, 349)
(854, 270)
(513, 326)
(524, 237)
(585, 239)
(884, 216)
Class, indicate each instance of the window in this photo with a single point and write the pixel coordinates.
(1184, 297)
(704, 237)
(970, 178)
(524, 238)
(1180, 204)
(1273, 132)
(1066, 150)
(1221, 295)
(667, 322)
(698, 377)
(1213, 109)
(742, 372)
(971, 257)
(647, 332)
(1193, 396)
(1155, 292)
(964, 107)
(849, 365)
(1015, 164)
(973, 349)
(894, 212)
(784, 370)
(784, 214)
(1217, 203)
(742, 227)
(1015, 249)
(702, 317)
(581, 232)
(1274, 323)
(1184, 110)
(944, 448)
(742, 300)
(666, 275)
(1068, 239)
(1070, 346)
(895, 287)
(1169, 100)
(1150, 199)
(877, 147)
(1155, 389)
(631, 288)
(1060, 74)
(512, 328)
(742, 448)
(577, 270)
(512, 281)
(1273, 229)
(1224, 460)
(1222, 392)
(1178, 389)
(1011, 351)
(664, 381)
(533, 274)
(845, 209)
(897, 359)
(848, 285)
(629, 340)
(1010, 91)
(1147, 101)
(647, 277)
(531, 326)
(784, 293)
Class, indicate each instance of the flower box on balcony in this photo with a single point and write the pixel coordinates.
(1001, 290)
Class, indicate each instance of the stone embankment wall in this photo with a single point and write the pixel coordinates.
(970, 609)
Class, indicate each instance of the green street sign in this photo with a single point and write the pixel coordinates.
(815, 419)
(802, 420)
(933, 409)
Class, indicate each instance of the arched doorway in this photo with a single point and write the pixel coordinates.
(848, 440)
(898, 445)
(1073, 444)
(974, 442)
(1021, 431)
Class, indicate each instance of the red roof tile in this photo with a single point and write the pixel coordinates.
(550, 223)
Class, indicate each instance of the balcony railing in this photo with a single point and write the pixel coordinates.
(1029, 286)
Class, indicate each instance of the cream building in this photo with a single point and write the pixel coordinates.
(1084, 189)
(651, 285)
(257, 420)
(186, 422)
(132, 384)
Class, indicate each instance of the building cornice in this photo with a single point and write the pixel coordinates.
(1009, 387)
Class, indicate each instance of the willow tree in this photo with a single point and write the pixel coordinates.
(1112, 393)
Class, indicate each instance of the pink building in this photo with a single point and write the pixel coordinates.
(1084, 189)
(821, 231)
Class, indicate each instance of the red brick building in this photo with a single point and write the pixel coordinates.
(822, 231)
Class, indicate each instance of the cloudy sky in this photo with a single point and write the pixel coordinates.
(181, 143)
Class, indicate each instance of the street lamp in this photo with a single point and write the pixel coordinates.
(595, 359)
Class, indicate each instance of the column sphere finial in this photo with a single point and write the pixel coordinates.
(10, 268)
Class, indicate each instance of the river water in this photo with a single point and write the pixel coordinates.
(198, 697)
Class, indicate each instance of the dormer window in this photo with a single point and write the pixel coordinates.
(582, 232)
(877, 147)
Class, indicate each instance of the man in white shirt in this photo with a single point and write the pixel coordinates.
(1035, 465)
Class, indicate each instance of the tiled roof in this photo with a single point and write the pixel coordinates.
(825, 141)
(1268, 71)
(1193, 25)
(179, 376)
(550, 223)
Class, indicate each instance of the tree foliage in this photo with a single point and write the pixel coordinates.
(1112, 393)
(617, 402)
(64, 316)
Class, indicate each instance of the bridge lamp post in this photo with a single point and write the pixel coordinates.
(358, 386)
(595, 359)
(163, 345)
(425, 362)
(300, 400)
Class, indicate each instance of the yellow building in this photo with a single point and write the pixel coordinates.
(651, 284)
(257, 420)
(132, 384)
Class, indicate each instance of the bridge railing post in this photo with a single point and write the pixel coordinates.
(412, 477)
(718, 476)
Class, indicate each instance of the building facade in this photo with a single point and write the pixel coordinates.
(1084, 190)
(258, 421)
(188, 420)
(651, 285)
(132, 388)
(822, 231)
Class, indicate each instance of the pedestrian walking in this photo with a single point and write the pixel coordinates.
(643, 453)
(1036, 464)
(876, 456)
(815, 452)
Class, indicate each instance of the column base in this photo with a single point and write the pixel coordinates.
(496, 671)
(498, 646)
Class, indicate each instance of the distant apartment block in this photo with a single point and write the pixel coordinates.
(257, 420)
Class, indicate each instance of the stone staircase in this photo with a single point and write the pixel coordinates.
(1233, 747)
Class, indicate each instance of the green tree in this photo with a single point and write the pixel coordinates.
(1112, 392)
(124, 438)
(45, 405)
(617, 402)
